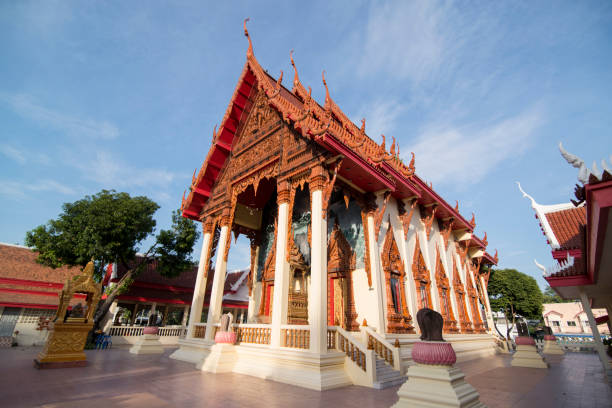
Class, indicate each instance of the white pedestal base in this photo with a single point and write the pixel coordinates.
(192, 350)
(430, 386)
(528, 356)
(221, 359)
(147, 344)
(551, 347)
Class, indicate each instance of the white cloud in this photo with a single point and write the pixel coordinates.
(405, 39)
(111, 172)
(462, 156)
(72, 125)
(18, 189)
(12, 153)
(22, 156)
(381, 117)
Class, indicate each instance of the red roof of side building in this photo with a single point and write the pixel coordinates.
(568, 226)
(150, 286)
(26, 283)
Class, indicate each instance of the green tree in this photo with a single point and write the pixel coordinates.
(515, 294)
(110, 227)
(550, 296)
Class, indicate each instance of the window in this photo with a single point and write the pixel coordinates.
(571, 323)
(395, 295)
(423, 293)
(445, 303)
(31, 316)
(556, 323)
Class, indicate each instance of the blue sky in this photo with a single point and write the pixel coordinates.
(122, 95)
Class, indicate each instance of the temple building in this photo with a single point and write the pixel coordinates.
(347, 244)
(580, 236)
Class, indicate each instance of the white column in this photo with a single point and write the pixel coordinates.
(280, 297)
(215, 307)
(200, 287)
(255, 294)
(185, 314)
(487, 305)
(378, 284)
(586, 306)
(317, 305)
(153, 308)
(109, 319)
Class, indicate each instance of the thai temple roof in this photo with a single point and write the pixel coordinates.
(564, 225)
(371, 167)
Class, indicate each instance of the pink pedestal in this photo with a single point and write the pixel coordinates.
(434, 353)
(225, 337)
(151, 330)
(524, 341)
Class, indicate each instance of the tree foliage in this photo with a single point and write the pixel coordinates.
(110, 227)
(515, 294)
(550, 296)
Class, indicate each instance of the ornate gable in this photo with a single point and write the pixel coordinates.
(391, 259)
(419, 269)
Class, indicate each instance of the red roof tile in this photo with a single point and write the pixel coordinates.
(568, 227)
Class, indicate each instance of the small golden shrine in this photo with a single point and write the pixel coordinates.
(69, 329)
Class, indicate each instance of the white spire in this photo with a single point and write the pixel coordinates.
(542, 267)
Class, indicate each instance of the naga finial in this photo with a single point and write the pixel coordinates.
(363, 121)
(392, 151)
(473, 220)
(484, 239)
(279, 81)
(383, 142)
(214, 138)
(193, 177)
(457, 205)
(296, 79)
(246, 33)
(327, 97)
(411, 165)
(183, 200)
(495, 257)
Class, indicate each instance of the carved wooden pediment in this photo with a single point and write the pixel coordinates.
(340, 256)
(419, 269)
(391, 259)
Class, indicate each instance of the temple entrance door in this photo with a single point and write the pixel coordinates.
(337, 302)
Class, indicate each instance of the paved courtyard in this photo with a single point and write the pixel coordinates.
(116, 378)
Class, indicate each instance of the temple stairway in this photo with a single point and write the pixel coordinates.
(386, 376)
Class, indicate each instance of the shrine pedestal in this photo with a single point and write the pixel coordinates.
(527, 354)
(65, 345)
(551, 346)
(147, 344)
(434, 381)
(221, 359)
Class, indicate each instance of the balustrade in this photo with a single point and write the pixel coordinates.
(134, 331)
(352, 351)
(199, 330)
(331, 338)
(380, 349)
(253, 333)
(295, 337)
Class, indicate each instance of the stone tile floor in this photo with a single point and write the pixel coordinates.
(116, 378)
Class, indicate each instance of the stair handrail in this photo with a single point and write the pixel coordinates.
(390, 354)
(367, 363)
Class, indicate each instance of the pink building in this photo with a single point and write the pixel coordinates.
(570, 318)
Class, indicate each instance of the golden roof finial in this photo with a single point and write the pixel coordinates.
(457, 205)
(296, 79)
(383, 143)
(411, 165)
(392, 146)
(246, 33)
(363, 121)
(327, 97)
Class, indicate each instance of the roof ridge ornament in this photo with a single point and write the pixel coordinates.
(534, 203)
(577, 162)
(541, 267)
(296, 78)
(246, 33)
